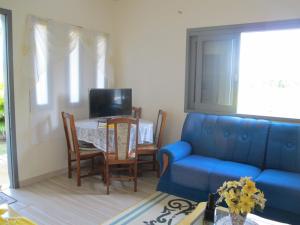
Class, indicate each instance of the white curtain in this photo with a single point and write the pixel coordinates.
(47, 51)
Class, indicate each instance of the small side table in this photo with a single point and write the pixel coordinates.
(197, 217)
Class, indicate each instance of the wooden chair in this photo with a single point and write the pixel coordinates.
(136, 112)
(76, 152)
(151, 149)
(122, 158)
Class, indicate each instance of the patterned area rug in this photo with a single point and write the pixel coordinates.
(159, 208)
(4, 198)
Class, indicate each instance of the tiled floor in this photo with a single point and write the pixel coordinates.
(58, 201)
(4, 180)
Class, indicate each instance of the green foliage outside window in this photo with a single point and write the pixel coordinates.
(2, 112)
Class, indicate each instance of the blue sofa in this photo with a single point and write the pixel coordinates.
(214, 149)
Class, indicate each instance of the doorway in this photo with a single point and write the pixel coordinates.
(8, 151)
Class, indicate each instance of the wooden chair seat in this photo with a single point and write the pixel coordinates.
(146, 149)
(87, 153)
(86, 145)
(112, 159)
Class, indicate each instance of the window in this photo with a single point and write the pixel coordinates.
(269, 81)
(76, 58)
(64, 63)
(41, 64)
(250, 69)
(74, 68)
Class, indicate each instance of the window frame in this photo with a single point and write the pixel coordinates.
(210, 35)
(239, 28)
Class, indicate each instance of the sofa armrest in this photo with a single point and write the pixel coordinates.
(173, 152)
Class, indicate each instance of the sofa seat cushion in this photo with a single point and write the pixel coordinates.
(193, 171)
(281, 188)
(227, 170)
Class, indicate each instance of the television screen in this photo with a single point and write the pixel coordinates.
(110, 102)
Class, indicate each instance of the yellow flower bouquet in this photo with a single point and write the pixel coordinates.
(241, 197)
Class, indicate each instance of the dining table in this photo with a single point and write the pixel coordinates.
(94, 131)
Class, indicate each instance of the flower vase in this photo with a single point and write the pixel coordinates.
(238, 219)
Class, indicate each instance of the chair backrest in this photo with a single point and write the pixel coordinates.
(122, 130)
(159, 128)
(136, 112)
(70, 132)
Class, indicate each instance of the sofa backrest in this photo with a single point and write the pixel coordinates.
(283, 151)
(226, 137)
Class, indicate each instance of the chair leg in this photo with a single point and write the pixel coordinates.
(107, 178)
(93, 164)
(140, 166)
(156, 165)
(131, 170)
(154, 161)
(135, 177)
(69, 167)
(157, 170)
(140, 170)
(103, 174)
(78, 173)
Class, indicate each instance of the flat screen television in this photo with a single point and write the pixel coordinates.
(110, 102)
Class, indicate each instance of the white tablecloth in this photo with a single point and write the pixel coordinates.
(89, 131)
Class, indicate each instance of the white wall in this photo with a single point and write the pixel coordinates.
(150, 40)
(48, 154)
(149, 43)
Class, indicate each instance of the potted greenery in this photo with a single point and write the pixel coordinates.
(241, 197)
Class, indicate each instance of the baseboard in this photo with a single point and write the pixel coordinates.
(32, 180)
(42, 177)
